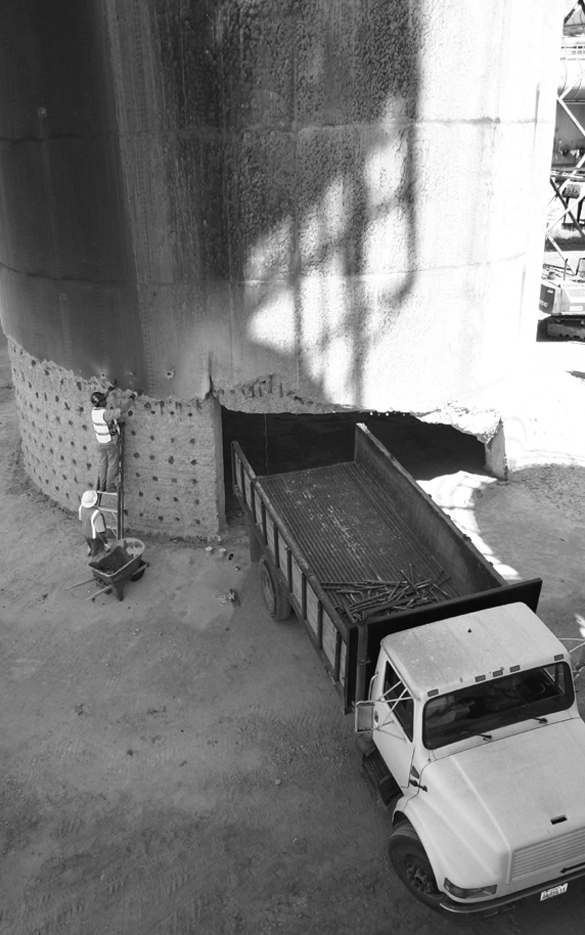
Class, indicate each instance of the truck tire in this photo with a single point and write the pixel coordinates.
(412, 865)
(274, 592)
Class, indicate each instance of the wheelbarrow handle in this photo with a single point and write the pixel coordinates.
(79, 583)
(102, 591)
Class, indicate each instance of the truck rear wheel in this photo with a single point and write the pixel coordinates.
(412, 865)
(274, 592)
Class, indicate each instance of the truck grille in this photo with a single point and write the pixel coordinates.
(567, 850)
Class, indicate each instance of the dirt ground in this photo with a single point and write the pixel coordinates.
(174, 765)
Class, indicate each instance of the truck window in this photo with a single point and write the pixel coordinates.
(485, 706)
(396, 693)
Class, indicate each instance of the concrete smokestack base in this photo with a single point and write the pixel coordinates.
(174, 479)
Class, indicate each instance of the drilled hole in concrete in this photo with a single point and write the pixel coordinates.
(154, 477)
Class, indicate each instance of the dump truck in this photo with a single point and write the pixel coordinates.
(463, 700)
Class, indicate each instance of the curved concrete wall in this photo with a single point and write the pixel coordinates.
(341, 199)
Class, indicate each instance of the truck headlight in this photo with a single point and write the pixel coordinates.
(467, 894)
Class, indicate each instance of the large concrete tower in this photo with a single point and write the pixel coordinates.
(267, 205)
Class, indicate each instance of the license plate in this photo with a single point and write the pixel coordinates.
(554, 891)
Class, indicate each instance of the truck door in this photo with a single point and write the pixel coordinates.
(393, 723)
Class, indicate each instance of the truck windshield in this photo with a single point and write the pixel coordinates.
(485, 706)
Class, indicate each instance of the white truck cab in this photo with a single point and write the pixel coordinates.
(475, 717)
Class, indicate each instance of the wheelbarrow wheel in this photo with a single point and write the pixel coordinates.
(138, 574)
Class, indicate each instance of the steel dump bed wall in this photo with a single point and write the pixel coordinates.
(427, 523)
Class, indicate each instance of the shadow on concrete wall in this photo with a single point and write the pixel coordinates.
(283, 135)
(316, 105)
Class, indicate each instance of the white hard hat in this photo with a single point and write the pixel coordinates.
(89, 498)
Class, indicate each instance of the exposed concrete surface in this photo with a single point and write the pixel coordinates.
(174, 477)
(321, 190)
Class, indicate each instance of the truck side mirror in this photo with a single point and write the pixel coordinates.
(576, 651)
(364, 716)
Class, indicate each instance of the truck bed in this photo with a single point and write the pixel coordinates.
(358, 522)
(348, 527)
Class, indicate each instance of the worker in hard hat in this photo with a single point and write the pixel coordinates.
(106, 415)
(93, 523)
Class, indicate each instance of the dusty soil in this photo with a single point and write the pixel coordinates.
(172, 764)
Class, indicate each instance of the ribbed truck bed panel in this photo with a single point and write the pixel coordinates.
(348, 528)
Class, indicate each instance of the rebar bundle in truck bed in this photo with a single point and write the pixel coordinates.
(363, 600)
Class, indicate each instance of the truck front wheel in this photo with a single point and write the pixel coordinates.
(274, 592)
(412, 865)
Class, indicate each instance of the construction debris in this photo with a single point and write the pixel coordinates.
(364, 600)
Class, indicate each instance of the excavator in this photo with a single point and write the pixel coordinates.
(562, 302)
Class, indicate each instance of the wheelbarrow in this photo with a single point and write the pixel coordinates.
(122, 562)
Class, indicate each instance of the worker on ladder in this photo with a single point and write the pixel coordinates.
(107, 413)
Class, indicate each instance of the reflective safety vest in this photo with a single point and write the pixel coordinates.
(92, 521)
(102, 430)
